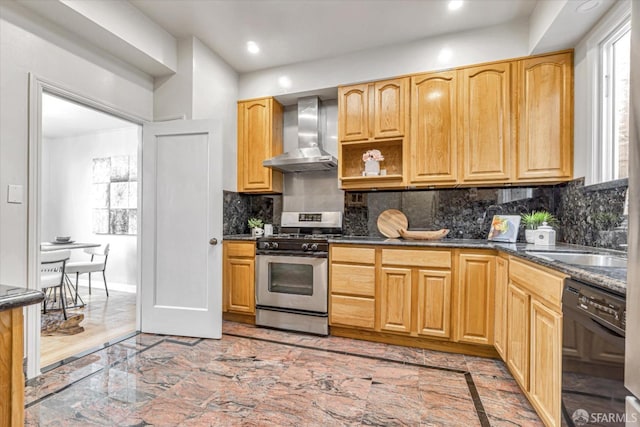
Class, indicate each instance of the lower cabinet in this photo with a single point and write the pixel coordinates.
(500, 306)
(534, 337)
(238, 277)
(391, 290)
(434, 303)
(415, 289)
(475, 297)
(352, 287)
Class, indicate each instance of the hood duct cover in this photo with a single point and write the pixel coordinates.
(309, 156)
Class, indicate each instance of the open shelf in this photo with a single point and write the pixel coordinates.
(352, 166)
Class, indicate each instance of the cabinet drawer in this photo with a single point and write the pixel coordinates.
(538, 281)
(240, 249)
(353, 254)
(416, 258)
(352, 311)
(353, 279)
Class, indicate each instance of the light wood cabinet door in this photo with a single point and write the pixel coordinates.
(434, 139)
(475, 298)
(545, 116)
(485, 95)
(395, 300)
(434, 303)
(239, 278)
(518, 334)
(353, 113)
(500, 320)
(546, 362)
(391, 100)
(259, 138)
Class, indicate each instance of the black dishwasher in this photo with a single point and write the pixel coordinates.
(593, 391)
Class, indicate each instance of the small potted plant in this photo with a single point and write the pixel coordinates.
(255, 224)
(533, 220)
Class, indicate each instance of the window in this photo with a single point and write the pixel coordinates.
(614, 73)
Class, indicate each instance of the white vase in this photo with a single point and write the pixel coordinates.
(528, 235)
(257, 232)
(371, 168)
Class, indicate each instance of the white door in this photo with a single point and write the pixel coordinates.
(181, 270)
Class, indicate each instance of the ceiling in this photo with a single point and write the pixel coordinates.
(62, 118)
(291, 31)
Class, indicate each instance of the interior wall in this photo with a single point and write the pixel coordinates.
(205, 87)
(67, 204)
(490, 44)
(29, 44)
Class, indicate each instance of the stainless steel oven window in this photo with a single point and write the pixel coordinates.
(293, 279)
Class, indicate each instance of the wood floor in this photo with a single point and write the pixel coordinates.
(104, 320)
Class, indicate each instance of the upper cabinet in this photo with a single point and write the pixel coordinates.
(501, 123)
(373, 111)
(259, 138)
(485, 120)
(545, 113)
(434, 141)
(353, 112)
(373, 116)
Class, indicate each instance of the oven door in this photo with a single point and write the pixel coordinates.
(292, 282)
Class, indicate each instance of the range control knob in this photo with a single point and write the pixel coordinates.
(266, 245)
(314, 247)
(274, 245)
(305, 246)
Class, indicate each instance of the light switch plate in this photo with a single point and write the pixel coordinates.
(15, 194)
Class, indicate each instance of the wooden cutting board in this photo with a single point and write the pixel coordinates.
(390, 222)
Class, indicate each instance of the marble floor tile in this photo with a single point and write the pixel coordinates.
(262, 377)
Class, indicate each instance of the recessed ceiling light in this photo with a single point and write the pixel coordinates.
(455, 4)
(445, 55)
(587, 6)
(253, 47)
(284, 82)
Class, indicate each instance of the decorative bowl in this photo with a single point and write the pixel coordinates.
(63, 238)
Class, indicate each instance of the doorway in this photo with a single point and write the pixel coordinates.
(89, 192)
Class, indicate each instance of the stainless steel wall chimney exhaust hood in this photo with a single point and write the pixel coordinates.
(309, 156)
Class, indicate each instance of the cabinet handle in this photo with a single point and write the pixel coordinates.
(213, 241)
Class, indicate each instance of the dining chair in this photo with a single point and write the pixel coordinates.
(52, 273)
(98, 263)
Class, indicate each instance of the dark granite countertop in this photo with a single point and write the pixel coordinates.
(238, 237)
(610, 278)
(13, 296)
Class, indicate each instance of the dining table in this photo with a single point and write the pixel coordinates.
(55, 246)
(59, 246)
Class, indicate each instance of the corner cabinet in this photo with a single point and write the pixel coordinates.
(475, 297)
(545, 112)
(260, 124)
(500, 306)
(373, 116)
(534, 336)
(238, 277)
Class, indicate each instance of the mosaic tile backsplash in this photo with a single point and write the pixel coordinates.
(589, 216)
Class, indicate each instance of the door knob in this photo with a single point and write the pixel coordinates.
(213, 241)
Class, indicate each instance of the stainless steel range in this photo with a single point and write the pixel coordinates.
(292, 272)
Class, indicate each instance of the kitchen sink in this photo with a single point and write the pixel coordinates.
(590, 260)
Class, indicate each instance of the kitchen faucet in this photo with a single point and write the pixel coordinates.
(496, 207)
